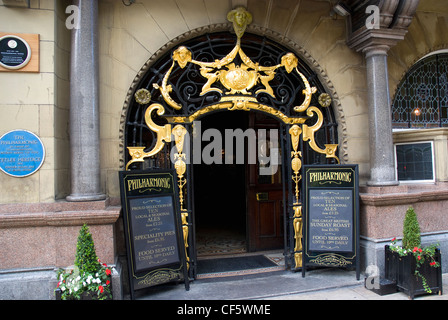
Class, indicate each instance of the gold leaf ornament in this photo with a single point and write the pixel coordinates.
(240, 18)
(325, 100)
(180, 167)
(142, 96)
(296, 164)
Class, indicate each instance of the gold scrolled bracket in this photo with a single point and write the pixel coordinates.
(163, 135)
(308, 135)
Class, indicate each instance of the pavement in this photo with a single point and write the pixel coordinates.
(319, 284)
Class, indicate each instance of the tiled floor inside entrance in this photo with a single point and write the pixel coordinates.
(212, 242)
(222, 244)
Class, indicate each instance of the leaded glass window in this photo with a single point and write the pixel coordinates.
(421, 100)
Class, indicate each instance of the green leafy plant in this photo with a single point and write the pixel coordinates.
(89, 275)
(411, 244)
(411, 230)
(86, 259)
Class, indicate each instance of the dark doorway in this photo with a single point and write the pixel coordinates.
(236, 209)
(220, 193)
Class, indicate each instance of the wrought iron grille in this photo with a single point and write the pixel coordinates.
(421, 100)
(187, 84)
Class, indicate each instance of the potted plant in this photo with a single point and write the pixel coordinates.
(416, 269)
(89, 279)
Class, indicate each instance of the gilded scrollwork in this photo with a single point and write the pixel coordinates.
(163, 135)
(166, 89)
(238, 79)
(308, 92)
(309, 133)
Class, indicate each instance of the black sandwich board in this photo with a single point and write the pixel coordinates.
(153, 233)
(330, 217)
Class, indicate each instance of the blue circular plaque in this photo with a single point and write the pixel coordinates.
(22, 153)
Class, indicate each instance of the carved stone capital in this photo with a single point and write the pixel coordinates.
(365, 40)
(395, 18)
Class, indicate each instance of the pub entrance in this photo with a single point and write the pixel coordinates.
(229, 81)
(239, 208)
(220, 193)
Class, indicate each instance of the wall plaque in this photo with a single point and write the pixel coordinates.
(331, 216)
(19, 52)
(22, 153)
(153, 234)
(15, 53)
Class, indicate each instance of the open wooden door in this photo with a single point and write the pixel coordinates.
(265, 189)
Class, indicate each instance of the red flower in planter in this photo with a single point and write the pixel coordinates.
(101, 288)
(108, 272)
(432, 263)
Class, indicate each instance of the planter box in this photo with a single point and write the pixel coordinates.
(402, 270)
(84, 296)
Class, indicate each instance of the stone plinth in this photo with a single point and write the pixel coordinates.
(36, 239)
(383, 210)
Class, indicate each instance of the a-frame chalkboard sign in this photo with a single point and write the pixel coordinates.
(153, 234)
(331, 217)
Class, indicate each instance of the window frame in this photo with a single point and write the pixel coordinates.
(428, 181)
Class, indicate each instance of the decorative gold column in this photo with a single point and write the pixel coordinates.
(298, 235)
(296, 164)
(179, 133)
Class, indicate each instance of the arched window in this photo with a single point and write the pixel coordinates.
(421, 100)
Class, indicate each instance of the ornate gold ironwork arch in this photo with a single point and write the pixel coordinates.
(238, 80)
